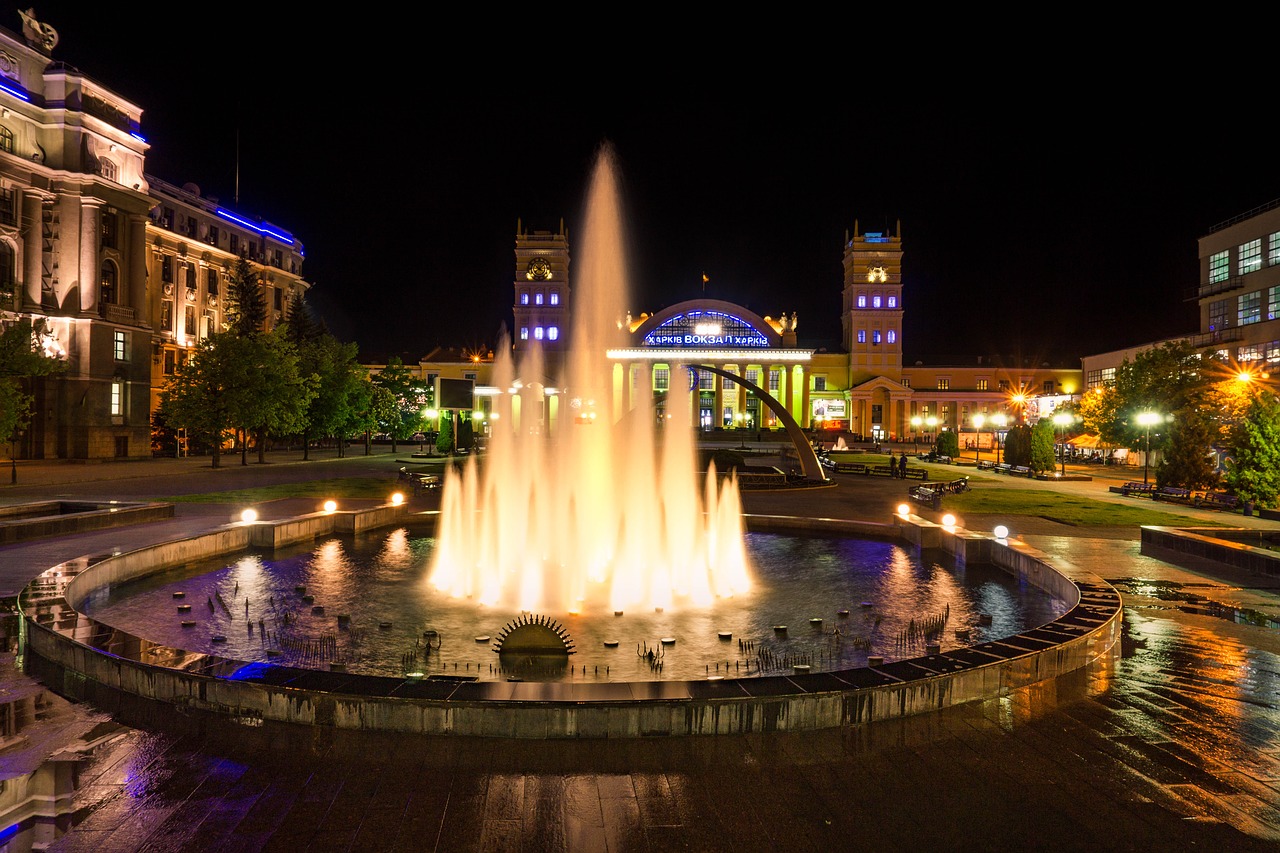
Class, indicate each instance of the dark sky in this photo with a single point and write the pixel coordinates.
(1049, 210)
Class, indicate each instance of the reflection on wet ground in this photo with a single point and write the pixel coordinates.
(1194, 602)
(1171, 743)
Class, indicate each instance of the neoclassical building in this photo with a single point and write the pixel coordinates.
(120, 272)
(859, 386)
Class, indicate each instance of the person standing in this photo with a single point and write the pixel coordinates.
(902, 466)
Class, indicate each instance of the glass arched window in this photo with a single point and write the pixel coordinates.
(107, 169)
(6, 140)
(110, 287)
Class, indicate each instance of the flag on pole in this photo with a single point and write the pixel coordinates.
(704, 282)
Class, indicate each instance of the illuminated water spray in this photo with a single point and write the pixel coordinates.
(607, 512)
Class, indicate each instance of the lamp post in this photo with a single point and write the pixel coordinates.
(915, 433)
(432, 415)
(978, 421)
(1001, 421)
(1060, 420)
(932, 423)
(1145, 420)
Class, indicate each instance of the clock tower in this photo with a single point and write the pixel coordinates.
(873, 303)
(541, 310)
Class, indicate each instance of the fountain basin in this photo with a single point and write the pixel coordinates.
(42, 519)
(93, 662)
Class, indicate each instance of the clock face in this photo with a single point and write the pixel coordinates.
(877, 274)
(539, 270)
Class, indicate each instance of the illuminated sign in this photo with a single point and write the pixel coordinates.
(706, 329)
(829, 409)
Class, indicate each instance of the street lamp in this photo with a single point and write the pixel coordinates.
(1001, 421)
(432, 415)
(978, 421)
(932, 423)
(915, 432)
(1145, 420)
(1060, 420)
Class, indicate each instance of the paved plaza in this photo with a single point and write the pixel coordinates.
(1172, 744)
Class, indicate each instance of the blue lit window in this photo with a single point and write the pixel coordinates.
(555, 297)
(524, 333)
(537, 299)
(893, 336)
(893, 301)
(875, 301)
(524, 299)
(862, 300)
(538, 332)
(553, 333)
(875, 337)
(862, 336)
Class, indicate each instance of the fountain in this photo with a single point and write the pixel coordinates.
(605, 513)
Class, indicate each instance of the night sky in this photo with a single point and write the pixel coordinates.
(1050, 209)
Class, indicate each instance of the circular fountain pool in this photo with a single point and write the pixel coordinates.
(825, 603)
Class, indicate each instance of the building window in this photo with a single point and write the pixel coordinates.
(555, 297)
(1003, 385)
(862, 336)
(166, 218)
(553, 333)
(1219, 267)
(8, 208)
(277, 259)
(117, 398)
(6, 140)
(107, 169)
(1250, 308)
(906, 382)
(1219, 315)
(862, 300)
(212, 236)
(1048, 386)
(706, 382)
(233, 243)
(775, 379)
(110, 290)
(893, 301)
(1250, 256)
(875, 301)
(166, 269)
(166, 315)
(1254, 352)
(189, 275)
(661, 378)
(537, 299)
(110, 228)
(8, 268)
(524, 333)
(819, 383)
(277, 298)
(1100, 378)
(944, 384)
(753, 376)
(537, 332)
(892, 336)
(982, 385)
(726, 383)
(169, 362)
(524, 298)
(253, 249)
(875, 337)
(189, 321)
(211, 281)
(120, 345)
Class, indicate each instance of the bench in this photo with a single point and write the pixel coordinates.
(1173, 494)
(1137, 489)
(1219, 500)
(956, 486)
(1021, 471)
(986, 465)
(1002, 468)
(928, 494)
(849, 467)
(884, 470)
(916, 473)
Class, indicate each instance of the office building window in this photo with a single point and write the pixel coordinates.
(233, 243)
(944, 384)
(862, 336)
(1250, 256)
(117, 398)
(553, 333)
(190, 272)
(1219, 267)
(8, 207)
(1003, 385)
(1250, 308)
(661, 378)
(706, 382)
(819, 383)
(753, 376)
(982, 385)
(906, 382)
(110, 228)
(107, 169)
(211, 237)
(1273, 303)
(1219, 315)
(726, 383)
(8, 268)
(120, 345)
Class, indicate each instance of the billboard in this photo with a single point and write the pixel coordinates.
(455, 393)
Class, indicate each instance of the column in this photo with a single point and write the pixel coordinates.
(136, 267)
(32, 245)
(786, 389)
(804, 395)
(89, 274)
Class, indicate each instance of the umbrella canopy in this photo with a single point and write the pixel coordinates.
(1085, 440)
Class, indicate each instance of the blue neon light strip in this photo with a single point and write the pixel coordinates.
(15, 92)
(279, 235)
(139, 137)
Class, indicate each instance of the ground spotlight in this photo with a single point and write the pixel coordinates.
(948, 520)
(330, 506)
(904, 510)
(397, 499)
(1001, 532)
(249, 516)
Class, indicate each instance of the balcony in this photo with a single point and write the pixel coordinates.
(1235, 282)
(117, 313)
(1222, 336)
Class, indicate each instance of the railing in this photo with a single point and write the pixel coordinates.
(1222, 336)
(117, 313)
(1235, 282)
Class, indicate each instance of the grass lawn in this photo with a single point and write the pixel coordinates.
(1067, 509)
(378, 488)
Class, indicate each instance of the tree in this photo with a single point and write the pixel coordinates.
(1166, 379)
(274, 397)
(21, 359)
(1017, 446)
(1253, 465)
(948, 444)
(406, 419)
(246, 301)
(340, 379)
(1186, 461)
(1041, 457)
(444, 441)
(201, 395)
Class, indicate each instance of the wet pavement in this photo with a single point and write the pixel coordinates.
(1171, 744)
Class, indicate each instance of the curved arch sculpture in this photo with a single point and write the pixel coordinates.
(808, 459)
